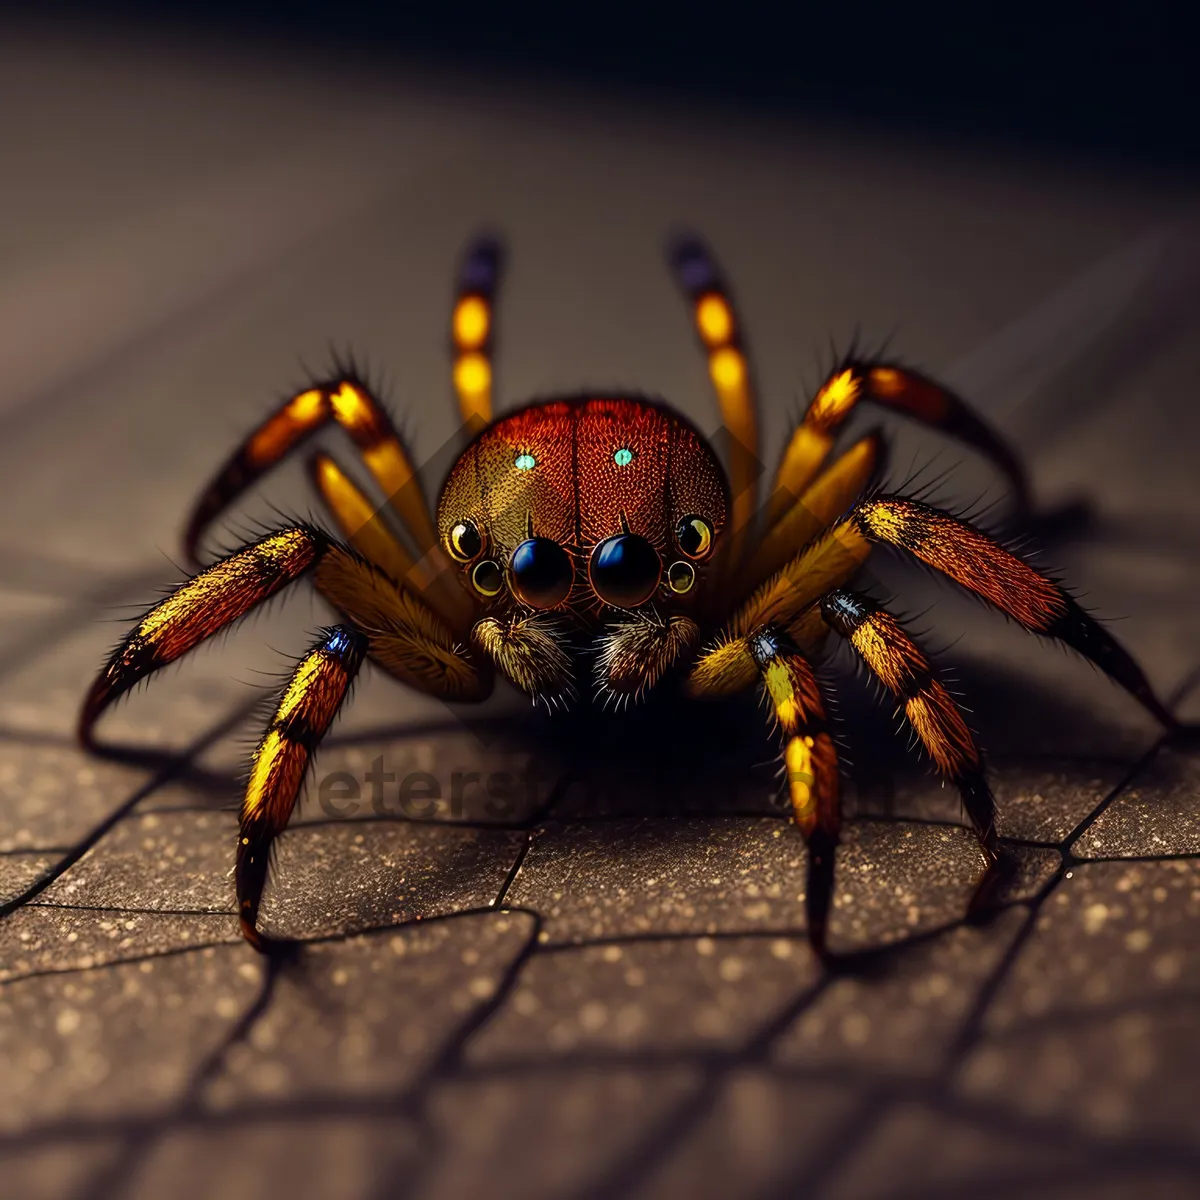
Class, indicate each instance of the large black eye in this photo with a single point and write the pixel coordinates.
(465, 542)
(541, 572)
(625, 570)
(694, 535)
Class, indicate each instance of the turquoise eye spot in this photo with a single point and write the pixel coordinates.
(525, 462)
(623, 457)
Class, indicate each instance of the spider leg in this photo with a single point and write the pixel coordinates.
(718, 328)
(471, 330)
(809, 757)
(830, 495)
(347, 402)
(896, 661)
(404, 635)
(811, 761)
(981, 565)
(825, 563)
(365, 529)
(306, 709)
(529, 651)
(635, 653)
(899, 390)
(197, 609)
(787, 599)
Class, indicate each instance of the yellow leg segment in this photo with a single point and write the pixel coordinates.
(776, 655)
(718, 329)
(811, 761)
(198, 608)
(363, 526)
(827, 498)
(895, 388)
(348, 403)
(896, 661)
(308, 705)
(405, 637)
(471, 332)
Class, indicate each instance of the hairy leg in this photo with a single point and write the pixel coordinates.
(405, 637)
(895, 660)
(811, 762)
(198, 608)
(720, 336)
(826, 499)
(895, 388)
(306, 709)
(347, 402)
(981, 565)
(364, 528)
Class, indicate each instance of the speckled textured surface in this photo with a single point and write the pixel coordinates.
(599, 986)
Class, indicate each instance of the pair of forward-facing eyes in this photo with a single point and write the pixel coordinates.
(624, 570)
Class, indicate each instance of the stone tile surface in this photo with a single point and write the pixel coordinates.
(368, 1015)
(545, 1134)
(328, 878)
(645, 1018)
(1093, 1027)
(904, 1018)
(118, 1041)
(608, 879)
(37, 939)
(629, 999)
(1157, 815)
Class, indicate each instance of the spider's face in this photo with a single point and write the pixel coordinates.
(584, 503)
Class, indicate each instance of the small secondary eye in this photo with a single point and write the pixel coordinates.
(487, 577)
(695, 536)
(681, 576)
(465, 542)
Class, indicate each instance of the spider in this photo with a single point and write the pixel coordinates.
(606, 526)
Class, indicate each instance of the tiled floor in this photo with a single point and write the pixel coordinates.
(601, 987)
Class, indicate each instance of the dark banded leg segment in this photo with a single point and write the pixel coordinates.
(810, 759)
(981, 565)
(895, 660)
(198, 608)
(900, 390)
(309, 703)
(346, 402)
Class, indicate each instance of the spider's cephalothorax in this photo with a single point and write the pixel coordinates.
(607, 524)
(568, 514)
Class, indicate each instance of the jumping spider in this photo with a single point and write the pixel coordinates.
(608, 519)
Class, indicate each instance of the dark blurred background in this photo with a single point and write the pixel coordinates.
(1112, 79)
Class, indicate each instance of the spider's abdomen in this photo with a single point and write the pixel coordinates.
(580, 470)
